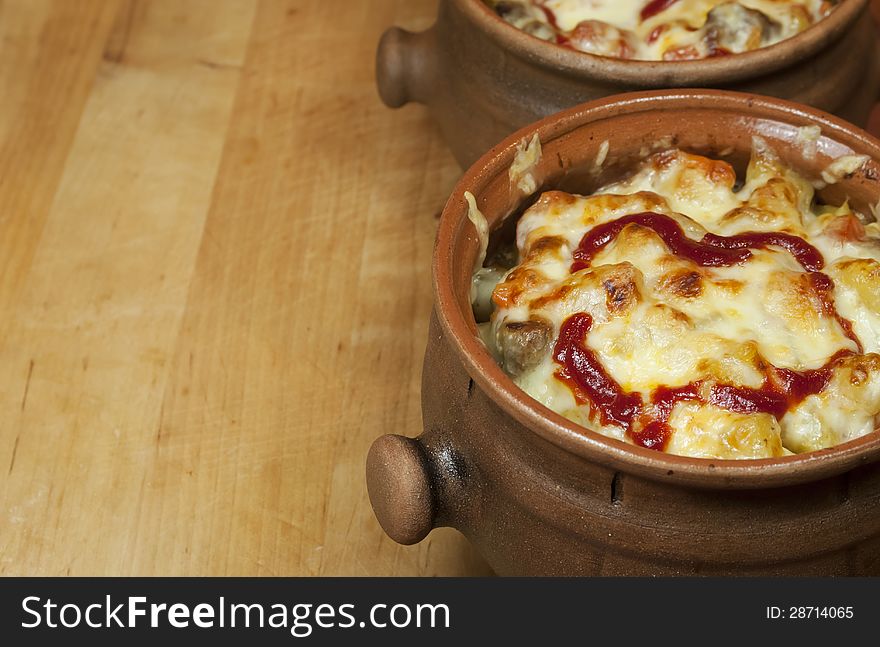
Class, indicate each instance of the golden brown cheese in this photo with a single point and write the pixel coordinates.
(659, 321)
(662, 29)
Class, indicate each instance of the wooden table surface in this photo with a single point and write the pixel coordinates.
(214, 287)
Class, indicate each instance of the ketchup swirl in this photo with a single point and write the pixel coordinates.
(713, 250)
(824, 287)
(655, 33)
(591, 384)
(654, 7)
(808, 256)
(551, 19)
(583, 370)
(655, 432)
(710, 251)
(782, 389)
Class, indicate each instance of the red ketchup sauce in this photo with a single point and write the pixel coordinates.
(583, 370)
(782, 389)
(591, 384)
(551, 18)
(710, 251)
(654, 7)
(824, 287)
(655, 33)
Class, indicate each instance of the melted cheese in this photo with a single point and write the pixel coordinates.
(681, 30)
(662, 320)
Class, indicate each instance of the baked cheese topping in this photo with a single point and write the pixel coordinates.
(679, 312)
(657, 30)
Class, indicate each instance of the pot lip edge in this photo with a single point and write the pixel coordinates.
(712, 71)
(578, 440)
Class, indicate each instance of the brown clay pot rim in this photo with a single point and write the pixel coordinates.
(710, 71)
(549, 425)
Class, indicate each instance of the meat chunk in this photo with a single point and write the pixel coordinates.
(735, 28)
(523, 344)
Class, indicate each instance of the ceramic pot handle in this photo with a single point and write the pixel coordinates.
(405, 66)
(399, 483)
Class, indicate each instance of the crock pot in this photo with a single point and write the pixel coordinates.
(540, 495)
(482, 78)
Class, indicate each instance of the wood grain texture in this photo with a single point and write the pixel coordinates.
(214, 287)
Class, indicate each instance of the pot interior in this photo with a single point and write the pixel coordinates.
(692, 73)
(712, 123)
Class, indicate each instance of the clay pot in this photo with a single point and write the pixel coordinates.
(538, 494)
(482, 78)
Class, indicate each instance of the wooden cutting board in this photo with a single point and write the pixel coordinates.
(214, 287)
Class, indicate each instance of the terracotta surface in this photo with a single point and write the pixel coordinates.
(203, 209)
(482, 79)
(538, 494)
